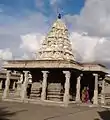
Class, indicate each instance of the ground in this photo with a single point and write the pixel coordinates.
(24, 111)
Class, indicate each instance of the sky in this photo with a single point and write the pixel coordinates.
(25, 23)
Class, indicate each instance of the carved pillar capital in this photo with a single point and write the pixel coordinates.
(79, 77)
(8, 71)
(81, 74)
(67, 74)
(95, 74)
(45, 72)
(25, 72)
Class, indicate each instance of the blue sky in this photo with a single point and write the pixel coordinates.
(23, 23)
(21, 7)
(13, 12)
(20, 17)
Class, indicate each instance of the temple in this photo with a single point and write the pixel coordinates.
(55, 76)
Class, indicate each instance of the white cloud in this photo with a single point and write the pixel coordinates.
(89, 48)
(84, 45)
(5, 54)
(31, 43)
(34, 22)
(55, 5)
(94, 18)
(52, 2)
(16, 32)
(25, 57)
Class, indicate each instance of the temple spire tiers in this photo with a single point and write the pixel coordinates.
(56, 45)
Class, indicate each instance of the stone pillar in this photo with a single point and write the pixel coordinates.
(21, 78)
(19, 86)
(14, 85)
(78, 86)
(7, 83)
(95, 98)
(1, 82)
(67, 87)
(24, 85)
(103, 92)
(44, 85)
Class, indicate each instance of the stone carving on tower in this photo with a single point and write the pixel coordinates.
(56, 45)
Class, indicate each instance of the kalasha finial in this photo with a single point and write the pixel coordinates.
(59, 16)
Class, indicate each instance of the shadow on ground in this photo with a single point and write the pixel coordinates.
(104, 115)
(5, 114)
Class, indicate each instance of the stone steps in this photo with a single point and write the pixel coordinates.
(54, 95)
(55, 99)
(35, 94)
(54, 92)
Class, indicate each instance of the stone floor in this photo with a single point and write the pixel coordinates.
(24, 111)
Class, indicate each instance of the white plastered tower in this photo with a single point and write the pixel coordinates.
(57, 45)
